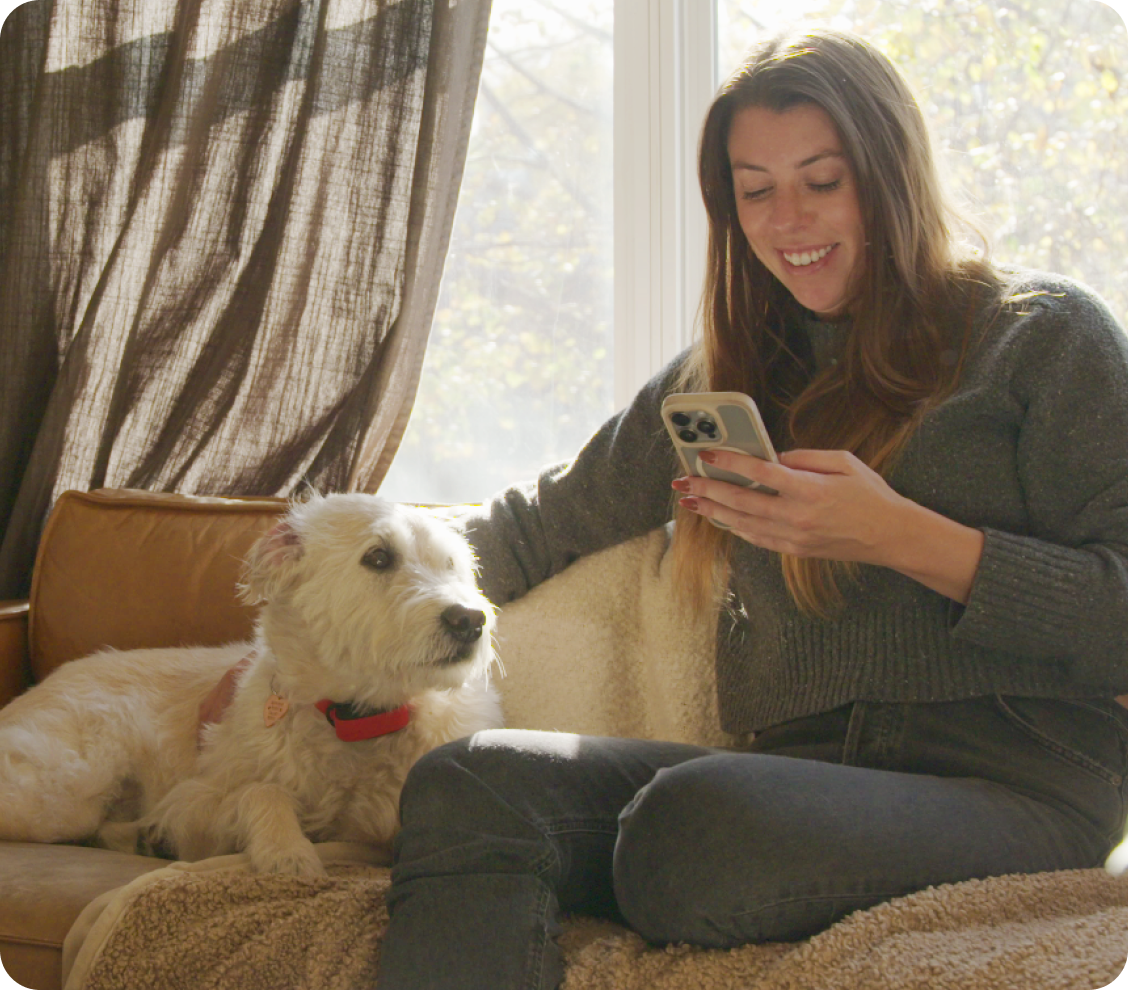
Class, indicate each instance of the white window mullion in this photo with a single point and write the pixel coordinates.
(698, 64)
(664, 72)
(638, 213)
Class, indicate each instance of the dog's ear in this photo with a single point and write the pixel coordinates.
(270, 565)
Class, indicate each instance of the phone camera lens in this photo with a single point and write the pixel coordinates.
(688, 436)
(679, 419)
(708, 427)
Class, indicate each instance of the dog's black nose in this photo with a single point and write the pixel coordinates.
(464, 624)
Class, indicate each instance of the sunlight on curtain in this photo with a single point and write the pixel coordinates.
(222, 228)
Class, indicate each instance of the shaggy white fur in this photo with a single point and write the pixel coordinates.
(365, 603)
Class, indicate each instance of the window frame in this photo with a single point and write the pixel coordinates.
(665, 54)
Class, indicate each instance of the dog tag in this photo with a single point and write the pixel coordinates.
(276, 708)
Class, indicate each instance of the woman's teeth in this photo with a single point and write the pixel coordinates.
(808, 257)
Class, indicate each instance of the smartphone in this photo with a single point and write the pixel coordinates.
(699, 421)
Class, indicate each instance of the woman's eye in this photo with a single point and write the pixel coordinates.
(752, 195)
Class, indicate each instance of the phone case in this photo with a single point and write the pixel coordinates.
(698, 421)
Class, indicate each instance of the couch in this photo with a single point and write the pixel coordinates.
(600, 649)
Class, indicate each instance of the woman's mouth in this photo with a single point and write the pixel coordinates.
(802, 259)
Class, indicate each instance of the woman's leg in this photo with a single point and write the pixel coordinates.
(726, 850)
(836, 813)
(736, 848)
(500, 833)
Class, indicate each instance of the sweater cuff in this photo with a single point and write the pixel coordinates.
(1027, 597)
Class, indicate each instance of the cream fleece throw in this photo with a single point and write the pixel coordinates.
(213, 926)
(599, 649)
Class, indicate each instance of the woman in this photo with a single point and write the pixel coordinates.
(924, 629)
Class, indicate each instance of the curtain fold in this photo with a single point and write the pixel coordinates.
(222, 231)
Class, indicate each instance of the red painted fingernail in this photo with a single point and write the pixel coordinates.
(708, 456)
(680, 484)
(688, 503)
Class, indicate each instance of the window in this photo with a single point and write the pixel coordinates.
(578, 247)
(519, 368)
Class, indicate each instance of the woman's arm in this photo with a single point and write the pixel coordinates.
(617, 487)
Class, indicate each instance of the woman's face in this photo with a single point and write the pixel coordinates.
(797, 203)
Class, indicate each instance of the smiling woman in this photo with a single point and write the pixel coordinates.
(822, 155)
(797, 203)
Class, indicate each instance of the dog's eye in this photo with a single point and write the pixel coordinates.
(378, 559)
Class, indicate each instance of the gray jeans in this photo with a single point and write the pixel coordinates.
(504, 832)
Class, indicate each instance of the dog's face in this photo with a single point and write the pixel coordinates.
(370, 600)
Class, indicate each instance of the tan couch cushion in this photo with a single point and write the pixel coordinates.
(45, 889)
(133, 569)
(13, 649)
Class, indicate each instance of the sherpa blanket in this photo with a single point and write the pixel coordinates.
(213, 926)
(602, 649)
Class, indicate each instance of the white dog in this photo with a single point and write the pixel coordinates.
(371, 625)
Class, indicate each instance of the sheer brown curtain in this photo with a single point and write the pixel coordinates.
(222, 229)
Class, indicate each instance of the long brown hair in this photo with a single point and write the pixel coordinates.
(900, 355)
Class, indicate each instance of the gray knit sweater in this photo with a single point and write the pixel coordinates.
(1031, 448)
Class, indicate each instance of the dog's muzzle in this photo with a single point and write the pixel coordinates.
(464, 624)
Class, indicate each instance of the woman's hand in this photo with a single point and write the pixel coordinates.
(831, 505)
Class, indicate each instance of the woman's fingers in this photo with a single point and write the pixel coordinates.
(829, 504)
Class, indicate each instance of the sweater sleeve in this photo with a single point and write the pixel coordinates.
(1059, 591)
(617, 487)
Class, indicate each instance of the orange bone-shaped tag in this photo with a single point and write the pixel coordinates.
(275, 710)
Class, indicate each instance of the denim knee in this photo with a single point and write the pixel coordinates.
(425, 794)
(460, 812)
(661, 871)
(703, 858)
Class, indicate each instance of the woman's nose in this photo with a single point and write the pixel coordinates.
(788, 210)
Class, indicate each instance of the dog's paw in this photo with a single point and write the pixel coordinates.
(297, 861)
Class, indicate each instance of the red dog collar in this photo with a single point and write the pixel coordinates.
(353, 726)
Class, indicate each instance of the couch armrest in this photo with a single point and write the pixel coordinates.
(13, 650)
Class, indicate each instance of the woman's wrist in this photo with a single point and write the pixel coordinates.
(934, 550)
